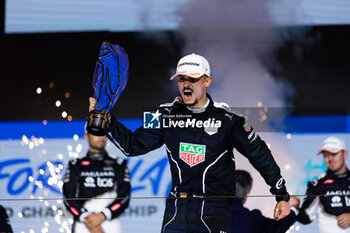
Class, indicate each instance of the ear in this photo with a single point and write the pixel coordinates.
(86, 136)
(245, 198)
(207, 82)
(345, 154)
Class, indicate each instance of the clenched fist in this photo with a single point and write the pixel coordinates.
(281, 210)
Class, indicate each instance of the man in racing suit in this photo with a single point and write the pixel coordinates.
(200, 136)
(244, 220)
(328, 196)
(96, 189)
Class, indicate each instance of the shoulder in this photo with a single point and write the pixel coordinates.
(243, 212)
(167, 108)
(176, 101)
(223, 108)
(237, 206)
(226, 109)
(76, 161)
(222, 105)
(118, 160)
(255, 213)
(317, 181)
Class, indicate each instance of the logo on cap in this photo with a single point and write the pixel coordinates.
(188, 63)
(332, 144)
(192, 65)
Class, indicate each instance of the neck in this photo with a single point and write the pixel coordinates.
(201, 103)
(96, 155)
(93, 150)
(201, 109)
(341, 171)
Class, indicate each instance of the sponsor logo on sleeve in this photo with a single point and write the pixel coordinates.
(247, 127)
(279, 183)
(74, 211)
(314, 182)
(115, 207)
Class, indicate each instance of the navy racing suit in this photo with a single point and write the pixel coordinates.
(199, 145)
(96, 183)
(328, 196)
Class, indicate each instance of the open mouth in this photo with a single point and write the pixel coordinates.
(188, 93)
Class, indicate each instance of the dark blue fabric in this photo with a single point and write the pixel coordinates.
(110, 76)
(245, 221)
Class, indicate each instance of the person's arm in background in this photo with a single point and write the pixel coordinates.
(269, 225)
(123, 188)
(308, 210)
(70, 186)
(117, 207)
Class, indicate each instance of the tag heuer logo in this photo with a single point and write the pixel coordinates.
(192, 154)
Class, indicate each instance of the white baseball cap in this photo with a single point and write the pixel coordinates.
(192, 65)
(332, 144)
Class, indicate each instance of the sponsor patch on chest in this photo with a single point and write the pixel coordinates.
(192, 154)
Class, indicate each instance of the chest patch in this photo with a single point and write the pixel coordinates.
(192, 154)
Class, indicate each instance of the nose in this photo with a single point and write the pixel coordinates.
(186, 81)
(186, 85)
(330, 159)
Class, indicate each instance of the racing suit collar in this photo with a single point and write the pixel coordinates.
(96, 155)
(344, 175)
(199, 110)
(205, 112)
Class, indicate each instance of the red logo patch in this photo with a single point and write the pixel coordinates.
(328, 181)
(115, 207)
(74, 211)
(85, 163)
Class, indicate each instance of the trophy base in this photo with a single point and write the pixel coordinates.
(97, 123)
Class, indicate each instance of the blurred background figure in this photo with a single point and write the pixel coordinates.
(5, 226)
(328, 196)
(101, 184)
(244, 220)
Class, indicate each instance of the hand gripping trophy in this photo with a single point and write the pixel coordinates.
(109, 80)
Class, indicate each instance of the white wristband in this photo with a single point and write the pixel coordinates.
(83, 216)
(107, 213)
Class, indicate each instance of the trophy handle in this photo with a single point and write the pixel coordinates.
(98, 122)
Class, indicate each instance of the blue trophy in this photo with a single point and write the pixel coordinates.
(109, 80)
